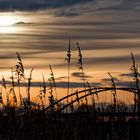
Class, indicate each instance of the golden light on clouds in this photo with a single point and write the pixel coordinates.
(7, 20)
(8, 29)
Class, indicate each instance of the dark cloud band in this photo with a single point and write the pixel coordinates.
(32, 5)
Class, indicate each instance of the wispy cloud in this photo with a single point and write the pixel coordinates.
(128, 75)
(80, 75)
(108, 80)
(125, 5)
(118, 82)
(61, 84)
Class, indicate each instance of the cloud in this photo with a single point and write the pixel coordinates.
(80, 75)
(79, 8)
(118, 83)
(128, 75)
(66, 13)
(61, 78)
(33, 5)
(125, 5)
(110, 60)
(99, 5)
(67, 7)
(109, 80)
(61, 84)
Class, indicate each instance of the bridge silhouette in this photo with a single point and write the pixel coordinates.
(83, 94)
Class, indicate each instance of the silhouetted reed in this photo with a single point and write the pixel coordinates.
(68, 59)
(19, 72)
(134, 71)
(12, 89)
(80, 66)
(113, 91)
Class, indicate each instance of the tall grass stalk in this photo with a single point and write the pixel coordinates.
(28, 89)
(114, 93)
(44, 86)
(5, 88)
(77, 98)
(134, 70)
(52, 80)
(41, 97)
(42, 92)
(20, 76)
(90, 91)
(68, 59)
(12, 89)
(80, 66)
(52, 86)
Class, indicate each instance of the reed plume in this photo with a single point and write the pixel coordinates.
(68, 59)
(52, 81)
(19, 72)
(80, 66)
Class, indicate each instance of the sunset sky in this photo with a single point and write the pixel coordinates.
(107, 32)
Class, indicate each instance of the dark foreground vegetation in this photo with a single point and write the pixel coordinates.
(21, 119)
(37, 125)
